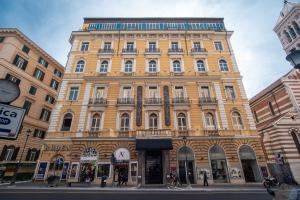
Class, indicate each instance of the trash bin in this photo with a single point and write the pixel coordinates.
(103, 181)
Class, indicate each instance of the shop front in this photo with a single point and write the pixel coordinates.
(186, 163)
(218, 164)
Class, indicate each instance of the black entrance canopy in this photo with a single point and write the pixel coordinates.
(154, 144)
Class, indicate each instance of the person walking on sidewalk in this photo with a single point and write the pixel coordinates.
(205, 179)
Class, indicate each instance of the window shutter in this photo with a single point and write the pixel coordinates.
(28, 154)
(3, 152)
(43, 134)
(46, 64)
(48, 116)
(24, 65)
(42, 113)
(37, 155)
(16, 59)
(16, 151)
(35, 132)
(42, 77)
(52, 100)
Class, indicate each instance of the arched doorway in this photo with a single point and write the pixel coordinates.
(218, 164)
(249, 164)
(186, 164)
(88, 162)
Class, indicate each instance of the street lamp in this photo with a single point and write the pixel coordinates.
(13, 180)
(294, 58)
(184, 138)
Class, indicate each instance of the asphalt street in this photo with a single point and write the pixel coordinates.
(38, 194)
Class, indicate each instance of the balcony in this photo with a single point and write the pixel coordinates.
(153, 101)
(93, 133)
(152, 51)
(181, 101)
(207, 101)
(129, 51)
(106, 51)
(182, 133)
(154, 133)
(125, 101)
(195, 51)
(98, 102)
(211, 132)
(175, 51)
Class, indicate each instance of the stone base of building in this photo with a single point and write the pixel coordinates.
(25, 171)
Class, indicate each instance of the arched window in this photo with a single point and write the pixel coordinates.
(296, 27)
(200, 66)
(287, 35)
(152, 66)
(237, 120)
(223, 65)
(80, 66)
(104, 66)
(96, 119)
(67, 122)
(124, 126)
(128, 66)
(292, 32)
(153, 121)
(210, 120)
(176, 66)
(181, 121)
(218, 164)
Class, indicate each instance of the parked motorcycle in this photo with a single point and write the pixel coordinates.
(270, 182)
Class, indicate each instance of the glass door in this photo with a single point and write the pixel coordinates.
(153, 167)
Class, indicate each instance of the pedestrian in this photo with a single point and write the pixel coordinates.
(125, 178)
(205, 179)
(120, 178)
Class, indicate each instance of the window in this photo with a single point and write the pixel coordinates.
(9, 154)
(176, 66)
(255, 116)
(292, 32)
(153, 121)
(152, 66)
(296, 27)
(128, 66)
(45, 115)
(223, 66)
(107, 46)
(12, 79)
(237, 120)
(39, 133)
(181, 121)
(49, 99)
(218, 46)
(179, 92)
(85, 46)
(25, 49)
(124, 122)
(32, 156)
(43, 62)
(67, 122)
(205, 92)
(152, 46)
(153, 93)
(126, 92)
(104, 66)
(2, 39)
(73, 94)
(271, 108)
(20, 62)
(32, 90)
(130, 46)
(54, 84)
(200, 66)
(197, 45)
(229, 92)
(100, 92)
(96, 119)
(287, 35)
(38, 74)
(26, 106)
(210, 120)
(174, 45)
(80, 66)
(57, 73)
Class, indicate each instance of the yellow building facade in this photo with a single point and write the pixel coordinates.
(146, 97)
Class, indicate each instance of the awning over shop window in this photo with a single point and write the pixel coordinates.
(154, 144)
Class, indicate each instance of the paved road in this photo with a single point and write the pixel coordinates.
(126, 195)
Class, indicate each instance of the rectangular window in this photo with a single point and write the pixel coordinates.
(126, 92)
(103, 170)
(38, 74)
(43, 62)
(205, 92)
(25, 49)
(49, 99)
(152, 46)
(57, 73)
(100, 92)
(229, 92)
(197, 45)
(73, 95)
(271, 108)
(218, 46)
(26, 106)
(85, 46)
(20, 62)
(2, 39)
(45, 115)
(9, 154)
(153, 93)
(107, 45)
(12, 79)
(32, 156)
(39, 133)
(174, 45)
(54, 84)
(130, 46)
(32, 90)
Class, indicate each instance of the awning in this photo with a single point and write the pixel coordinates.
(154, 144)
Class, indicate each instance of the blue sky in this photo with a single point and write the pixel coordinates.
(258, 51)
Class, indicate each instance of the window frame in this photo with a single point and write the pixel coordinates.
(80, 66)
(73, 92)
(218, 45)
(62, 127)
(223, 65)
(85, 45)
(124, 121)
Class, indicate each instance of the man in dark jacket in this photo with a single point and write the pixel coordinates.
(205, 179)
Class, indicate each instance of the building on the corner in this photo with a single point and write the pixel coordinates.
(38, 75)
(276, 109)
(134, 88)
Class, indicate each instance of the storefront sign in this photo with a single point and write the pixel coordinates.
(122, 154)
(11, 119)
(65, 171)
(57, 147)
(41, 172)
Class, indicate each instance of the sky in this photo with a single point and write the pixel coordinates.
(259, 54)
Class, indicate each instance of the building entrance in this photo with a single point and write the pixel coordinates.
(186, 165)
(249, 164)
(153, 167)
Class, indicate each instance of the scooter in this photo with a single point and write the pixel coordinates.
(270, 182)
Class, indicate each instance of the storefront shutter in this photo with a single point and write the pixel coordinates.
(3, 152)
(15, 153)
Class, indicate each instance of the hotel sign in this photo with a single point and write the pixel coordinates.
(11, 119)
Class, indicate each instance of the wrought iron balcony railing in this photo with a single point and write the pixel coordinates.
(181, 100)
(208, 101)
(154, 133)
(125, 101)
(153, 101)
(152, 50)
(175, 50)
(106, 51)
(129, 50)
(198, 50)
(98, 101)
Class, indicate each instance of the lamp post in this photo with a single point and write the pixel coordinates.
(184, 138)
(13, 180)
